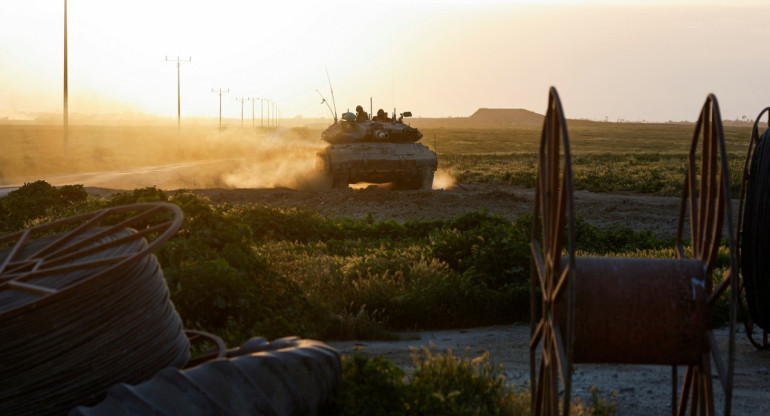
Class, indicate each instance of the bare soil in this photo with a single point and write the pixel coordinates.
(641, 390)
(639, 212)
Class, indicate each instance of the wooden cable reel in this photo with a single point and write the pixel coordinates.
(625, 310)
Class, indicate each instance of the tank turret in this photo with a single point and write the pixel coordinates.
(377, 150)
(378, 129)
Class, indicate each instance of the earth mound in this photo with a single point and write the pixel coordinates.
(506, 116)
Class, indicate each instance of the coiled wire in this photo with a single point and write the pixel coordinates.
(755, 236)
(66, 350)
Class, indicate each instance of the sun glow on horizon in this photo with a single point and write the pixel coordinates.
(437, 58)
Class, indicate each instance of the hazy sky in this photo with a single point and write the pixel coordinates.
(635, 60)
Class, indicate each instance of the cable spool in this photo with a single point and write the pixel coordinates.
(84, 309)
(755, 232)
(625, 310)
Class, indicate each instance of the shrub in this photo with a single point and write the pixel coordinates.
(370, 386)
(437, 384)
(36, 200)
(148, 194)
(210, 294)
(487, 249)
(444, 384)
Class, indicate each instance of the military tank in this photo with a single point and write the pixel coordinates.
(378, 150)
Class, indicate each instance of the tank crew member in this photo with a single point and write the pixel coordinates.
(361, 114)
(381, 116)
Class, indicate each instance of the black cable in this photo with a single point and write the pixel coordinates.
(100, 329)
(755, 238)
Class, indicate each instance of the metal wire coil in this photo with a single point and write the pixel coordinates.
(107, 318)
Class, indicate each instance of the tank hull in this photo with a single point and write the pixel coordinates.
(408, 165)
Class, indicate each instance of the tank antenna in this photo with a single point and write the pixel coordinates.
(332, 91)
(323, 101)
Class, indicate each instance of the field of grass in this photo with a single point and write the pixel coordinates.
(607, 157)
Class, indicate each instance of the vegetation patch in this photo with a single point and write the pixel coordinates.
(249, 269)
(643, 173)
(440, 383)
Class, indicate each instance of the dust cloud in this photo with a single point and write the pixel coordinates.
(199, 156)
(443, 180)
(278, 160)
(136, 156)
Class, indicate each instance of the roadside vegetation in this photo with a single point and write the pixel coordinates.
(240, 270)
(441, 383)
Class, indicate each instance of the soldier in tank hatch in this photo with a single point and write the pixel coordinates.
(361, 114)
(381, 116)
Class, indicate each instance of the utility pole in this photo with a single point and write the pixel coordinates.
(269, 104)
(275, 114)
(262, 112)
(220, 92)
(252, 112)
(178, 93)
(66, 99)
(242, 99)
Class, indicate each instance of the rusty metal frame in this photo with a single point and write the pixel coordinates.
(553, 202)
(707, 195)
(704, 201)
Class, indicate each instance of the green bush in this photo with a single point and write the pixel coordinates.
(444, 384)
(618, 239)
(486, 249)
(36, 200)
(370, 386)
(148, 194)
(437, 384)
(212, 294)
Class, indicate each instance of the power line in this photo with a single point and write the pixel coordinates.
(178, 92)
(220, 92)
